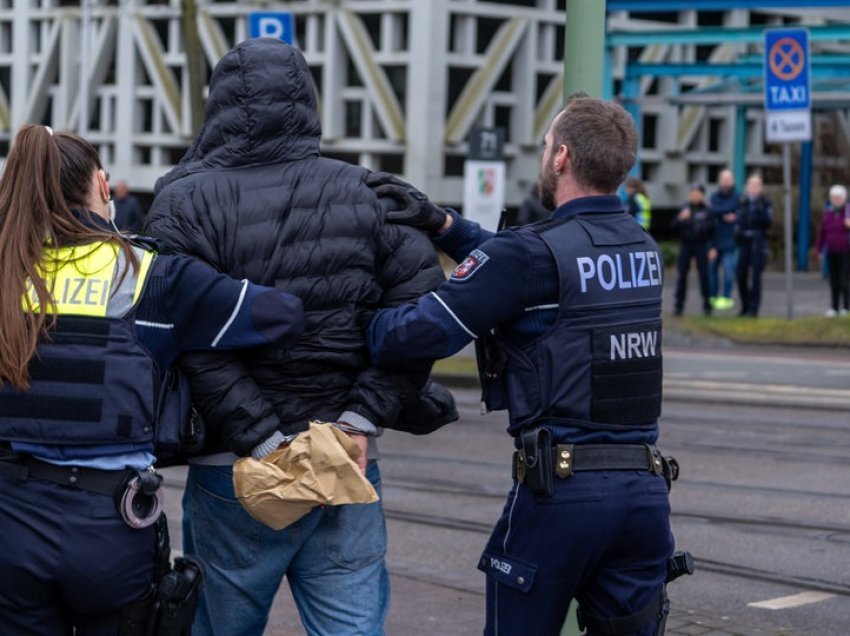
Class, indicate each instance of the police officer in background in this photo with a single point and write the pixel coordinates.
(637, 202)
(755, 216)
(91, 324)
(695, 223)
(566, 315)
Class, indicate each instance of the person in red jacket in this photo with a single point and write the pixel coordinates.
(834, 236)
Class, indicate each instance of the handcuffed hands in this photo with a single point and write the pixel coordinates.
(363, 444)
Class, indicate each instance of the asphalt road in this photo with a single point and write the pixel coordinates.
(763, 496)
(763, 439)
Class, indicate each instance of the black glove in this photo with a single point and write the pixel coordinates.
(417, 210)
(433, 408)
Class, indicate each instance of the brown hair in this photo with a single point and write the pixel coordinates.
(602, 140)
(637, 184)
(46, 176)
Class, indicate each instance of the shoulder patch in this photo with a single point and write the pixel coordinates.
(468, 267)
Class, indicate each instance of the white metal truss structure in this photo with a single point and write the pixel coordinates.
(400, 83)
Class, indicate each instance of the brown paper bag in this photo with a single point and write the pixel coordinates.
(317, 468)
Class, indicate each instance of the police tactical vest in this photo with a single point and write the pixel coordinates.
(599, 366)
(92, 382)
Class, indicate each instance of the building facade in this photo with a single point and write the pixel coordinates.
(400, 82)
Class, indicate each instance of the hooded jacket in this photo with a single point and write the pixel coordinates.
(253, 197)
(722, 203)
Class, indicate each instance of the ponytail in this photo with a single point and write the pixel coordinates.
(46, 175)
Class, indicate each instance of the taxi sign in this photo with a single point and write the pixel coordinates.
(787, 85)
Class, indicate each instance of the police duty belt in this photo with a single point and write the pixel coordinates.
(138, 494)
(567, 459)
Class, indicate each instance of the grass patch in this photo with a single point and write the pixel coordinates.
(823, 332)
(457, 365)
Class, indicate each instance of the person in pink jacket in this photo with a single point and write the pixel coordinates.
(834, 235)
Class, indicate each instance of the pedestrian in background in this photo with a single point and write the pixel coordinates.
(638, 203)
(834, 239)
(695, 224)
(723, 253)
(91, 324)
(755, 215)
(129, 215)
(531, 210)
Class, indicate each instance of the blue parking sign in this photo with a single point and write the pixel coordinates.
(787, 85)
(787, 76)
(271, 25)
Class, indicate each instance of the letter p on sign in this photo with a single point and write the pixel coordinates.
(271, 25)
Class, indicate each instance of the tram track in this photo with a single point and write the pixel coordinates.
(445, 486)
(833, 532)
(702, 564)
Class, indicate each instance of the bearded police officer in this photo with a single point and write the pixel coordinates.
(566, 318)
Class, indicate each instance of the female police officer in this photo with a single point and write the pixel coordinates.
(90, 321)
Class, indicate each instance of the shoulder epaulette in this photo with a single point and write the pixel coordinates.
(147, 243)
(548, 224)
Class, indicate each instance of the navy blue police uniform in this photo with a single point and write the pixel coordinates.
(95, 417)
(566, 318)
(755, 216)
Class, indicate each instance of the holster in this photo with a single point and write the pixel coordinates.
(670, 470)
(537, 463)
(168, 608)
(491, 359)
(177, 597)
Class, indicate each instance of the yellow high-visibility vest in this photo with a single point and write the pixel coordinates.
(93, 280)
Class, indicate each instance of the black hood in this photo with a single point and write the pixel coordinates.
(261, 110)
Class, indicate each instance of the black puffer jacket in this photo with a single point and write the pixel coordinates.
(253, 197)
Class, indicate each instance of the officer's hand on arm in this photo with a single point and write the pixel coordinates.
(417, 211)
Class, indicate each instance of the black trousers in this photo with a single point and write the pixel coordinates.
(752, 257)
(67, 560)
(693, 251)
(838, 264)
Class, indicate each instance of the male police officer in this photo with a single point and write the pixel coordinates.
(566, 314)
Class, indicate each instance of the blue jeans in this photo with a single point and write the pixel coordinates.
(728, 260)
(333, 559)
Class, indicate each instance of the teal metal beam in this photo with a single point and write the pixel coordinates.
(654, 6)
(716, 35)
(608, 75)
(739, 161)
(804, 207)
(826, 59)
(637, 69)
(631, 94)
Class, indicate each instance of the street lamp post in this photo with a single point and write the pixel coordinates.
(584, 47)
